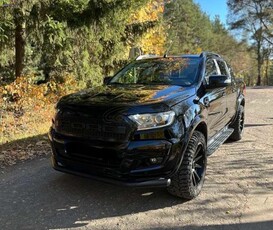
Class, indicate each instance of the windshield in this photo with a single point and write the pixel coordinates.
(167, 71)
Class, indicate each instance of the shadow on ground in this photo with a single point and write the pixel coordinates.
(256, 125)
(34, 196)
(42, 198)
(23, 149)
(23, 142)
(260, 87)
(265, 225)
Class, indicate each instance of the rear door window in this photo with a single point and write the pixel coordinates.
(222, 67)
(211, 69)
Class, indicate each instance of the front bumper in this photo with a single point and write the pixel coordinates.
(142, 163)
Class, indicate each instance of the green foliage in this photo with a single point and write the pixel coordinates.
(90, 39)
(6, 41)
(271, 73)
(87, 38)
(254, 19)
(192, 31)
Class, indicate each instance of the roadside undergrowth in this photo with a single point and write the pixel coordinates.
(26, 110)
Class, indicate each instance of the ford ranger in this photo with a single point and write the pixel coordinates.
(154, 123)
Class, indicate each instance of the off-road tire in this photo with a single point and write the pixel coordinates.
(182, 183)
(238, 125)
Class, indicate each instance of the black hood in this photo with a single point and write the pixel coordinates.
(128, 95)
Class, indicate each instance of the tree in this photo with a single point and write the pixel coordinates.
(188, 27)
(19, 23)
(153, 40)
(88, 38)
(254, 17)
(6, 41)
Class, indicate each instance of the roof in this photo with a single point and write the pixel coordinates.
(190, 56)
(203, 54)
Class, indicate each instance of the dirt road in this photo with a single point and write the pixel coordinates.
(238, 191)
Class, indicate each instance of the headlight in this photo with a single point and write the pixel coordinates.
(153, 120)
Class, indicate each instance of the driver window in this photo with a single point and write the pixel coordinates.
(231, 73)
(129, 76)
(210, 69)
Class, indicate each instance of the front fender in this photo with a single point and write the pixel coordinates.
(192, 118)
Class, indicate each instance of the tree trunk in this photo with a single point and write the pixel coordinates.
(258, 80)
(19, 41)
(259, 60)
(266, 71)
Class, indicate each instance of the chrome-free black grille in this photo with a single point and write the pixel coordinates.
(92, 131)
(90, 127)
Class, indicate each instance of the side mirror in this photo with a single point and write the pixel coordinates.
(218, 81)
(106, 80)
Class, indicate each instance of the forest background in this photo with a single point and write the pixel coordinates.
(51, 48)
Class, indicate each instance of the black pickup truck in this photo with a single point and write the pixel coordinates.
(153, 124)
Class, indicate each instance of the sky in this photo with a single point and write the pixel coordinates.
(214, 7)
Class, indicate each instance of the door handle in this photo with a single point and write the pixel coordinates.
(206, 101)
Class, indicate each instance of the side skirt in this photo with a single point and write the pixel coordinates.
(215, 142)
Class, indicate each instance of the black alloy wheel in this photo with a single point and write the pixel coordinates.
(189, 179)
(238, 125)
(198, 165)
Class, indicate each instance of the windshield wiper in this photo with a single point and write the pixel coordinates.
(159, 82)
(115, 83)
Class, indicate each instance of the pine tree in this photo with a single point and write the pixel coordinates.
(255, 18)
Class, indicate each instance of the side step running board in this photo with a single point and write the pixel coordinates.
(219, 139)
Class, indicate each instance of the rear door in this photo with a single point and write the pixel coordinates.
(214, 100)
(230, 90)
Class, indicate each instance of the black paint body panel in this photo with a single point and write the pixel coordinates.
(92, 135)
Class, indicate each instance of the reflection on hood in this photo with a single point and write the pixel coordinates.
(136, 94)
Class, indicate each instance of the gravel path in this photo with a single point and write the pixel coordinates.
(238, 191)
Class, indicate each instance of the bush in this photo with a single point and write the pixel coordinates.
(26, 108)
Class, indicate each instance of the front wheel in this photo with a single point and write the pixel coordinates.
(238, 125)
(189, 179)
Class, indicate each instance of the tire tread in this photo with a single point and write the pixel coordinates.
(181, 184)
(237, 134)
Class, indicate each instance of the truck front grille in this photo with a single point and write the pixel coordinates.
(90, 127)
(92, 131)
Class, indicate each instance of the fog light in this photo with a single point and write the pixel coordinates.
(156, 160)
(153, 160)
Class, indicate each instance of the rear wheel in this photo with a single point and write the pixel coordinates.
(189, 179)
(238, 125)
